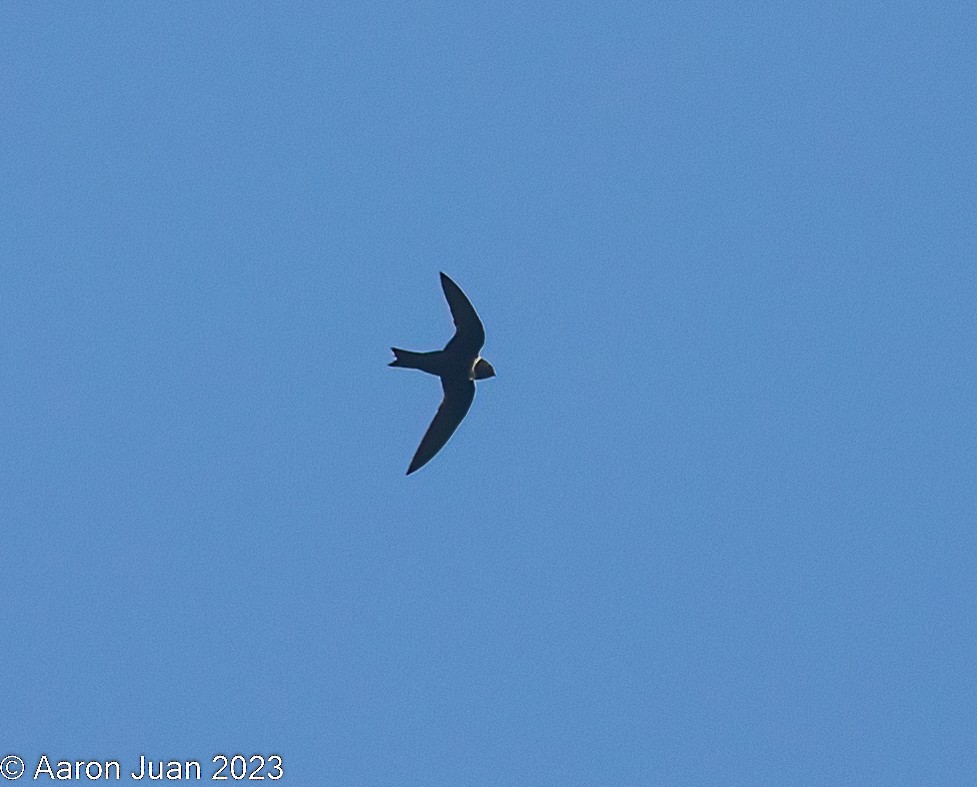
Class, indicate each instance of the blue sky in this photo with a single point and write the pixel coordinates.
(713, 522)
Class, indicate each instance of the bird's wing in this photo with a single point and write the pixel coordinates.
(469, 331)
(458, 396)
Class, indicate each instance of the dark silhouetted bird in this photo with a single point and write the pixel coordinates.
(458, 365)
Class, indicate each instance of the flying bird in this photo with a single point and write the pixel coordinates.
(458, 365)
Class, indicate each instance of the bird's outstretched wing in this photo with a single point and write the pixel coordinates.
(458, 396)
(469, 332)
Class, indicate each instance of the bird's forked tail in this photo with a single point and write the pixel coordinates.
(407, 359)
(427, 362)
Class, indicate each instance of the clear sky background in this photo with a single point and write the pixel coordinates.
(713, 522)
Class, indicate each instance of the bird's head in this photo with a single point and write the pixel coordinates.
(482, 370)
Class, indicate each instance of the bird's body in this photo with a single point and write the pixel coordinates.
(458, 365)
